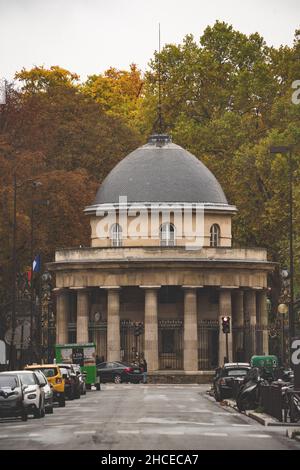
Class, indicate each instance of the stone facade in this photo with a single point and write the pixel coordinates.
(160, 285)
(177, 292)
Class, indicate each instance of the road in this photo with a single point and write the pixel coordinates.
(125, 416)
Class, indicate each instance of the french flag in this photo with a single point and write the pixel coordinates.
(36, 265)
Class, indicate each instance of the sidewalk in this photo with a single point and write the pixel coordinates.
(292, 431)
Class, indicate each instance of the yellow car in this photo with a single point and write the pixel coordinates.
(54, 377)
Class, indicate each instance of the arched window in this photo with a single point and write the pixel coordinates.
(116, 235)
(167, 235)
(215, 235)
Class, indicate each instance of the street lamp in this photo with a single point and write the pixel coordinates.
(34, 203)
(283, 310)
(16, 186)
(287, 149)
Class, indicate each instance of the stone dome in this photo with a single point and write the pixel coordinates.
(159, 172)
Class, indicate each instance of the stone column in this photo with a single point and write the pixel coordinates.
(225, 311)
(82, 335)
(113, 324)
(250, 314)
(262, 317)
(190, 334)
(62, 311)
(151, 327)
(238, 325)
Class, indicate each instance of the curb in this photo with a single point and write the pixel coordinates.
(293, 434)
(262, 418)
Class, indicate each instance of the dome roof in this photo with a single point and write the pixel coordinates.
(160, 171)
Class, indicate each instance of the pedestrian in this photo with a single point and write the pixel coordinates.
(143, 365)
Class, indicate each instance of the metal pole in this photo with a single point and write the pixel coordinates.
(14, 275)
(282, 340)
(227, 349)
(291, 234)
(31, 284)
(48, 333)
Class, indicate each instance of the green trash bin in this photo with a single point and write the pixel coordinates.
(269, 363)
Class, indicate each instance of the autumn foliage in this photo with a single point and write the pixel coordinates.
(226, 98)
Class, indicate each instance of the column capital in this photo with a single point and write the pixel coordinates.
(228, 287)
(150, 287)
(60, 290)
(110, 287)
(191, 287)
(79, 288)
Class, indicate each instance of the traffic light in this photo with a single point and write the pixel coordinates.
(226, 324)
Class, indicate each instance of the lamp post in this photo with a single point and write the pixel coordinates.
(287, 150)
(283, 310)
(34, 203)
(16, 186)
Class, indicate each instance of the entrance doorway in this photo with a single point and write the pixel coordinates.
(170, 344)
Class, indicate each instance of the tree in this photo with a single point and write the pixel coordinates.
(39, 79)
(119, 93)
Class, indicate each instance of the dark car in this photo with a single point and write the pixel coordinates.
(72, 384)
(228, 378)
(12, 397)
(118, 372)
(81, 376)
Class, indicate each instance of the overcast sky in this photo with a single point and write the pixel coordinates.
(88, 36)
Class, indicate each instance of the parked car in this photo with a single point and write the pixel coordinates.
(118, 372)
(47, 389)
(12, 397)
(228, 379)
(34, 394)
(55, 379)
(81, 376)
(72, 383)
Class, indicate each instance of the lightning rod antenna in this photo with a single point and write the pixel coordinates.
(159, 85)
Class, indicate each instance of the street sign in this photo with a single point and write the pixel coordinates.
(295, 360)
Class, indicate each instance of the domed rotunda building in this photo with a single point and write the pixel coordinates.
(161, 272)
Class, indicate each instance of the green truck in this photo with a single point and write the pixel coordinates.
(83, 355)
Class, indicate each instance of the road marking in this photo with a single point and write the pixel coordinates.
(163, 432)
(170, 421)
(171, 433)
(155, 397)
(34, 435)
(260, 436)
(4, 436)
(128, 432)
(61, 424)
(84, 432)
(214, 434)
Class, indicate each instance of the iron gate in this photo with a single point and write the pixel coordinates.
(208, 344)
(170, 344)
(132, 346)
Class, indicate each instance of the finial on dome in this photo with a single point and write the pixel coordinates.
(159, 139)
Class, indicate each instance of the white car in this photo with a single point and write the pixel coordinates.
(43, 382)
(34, 394)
